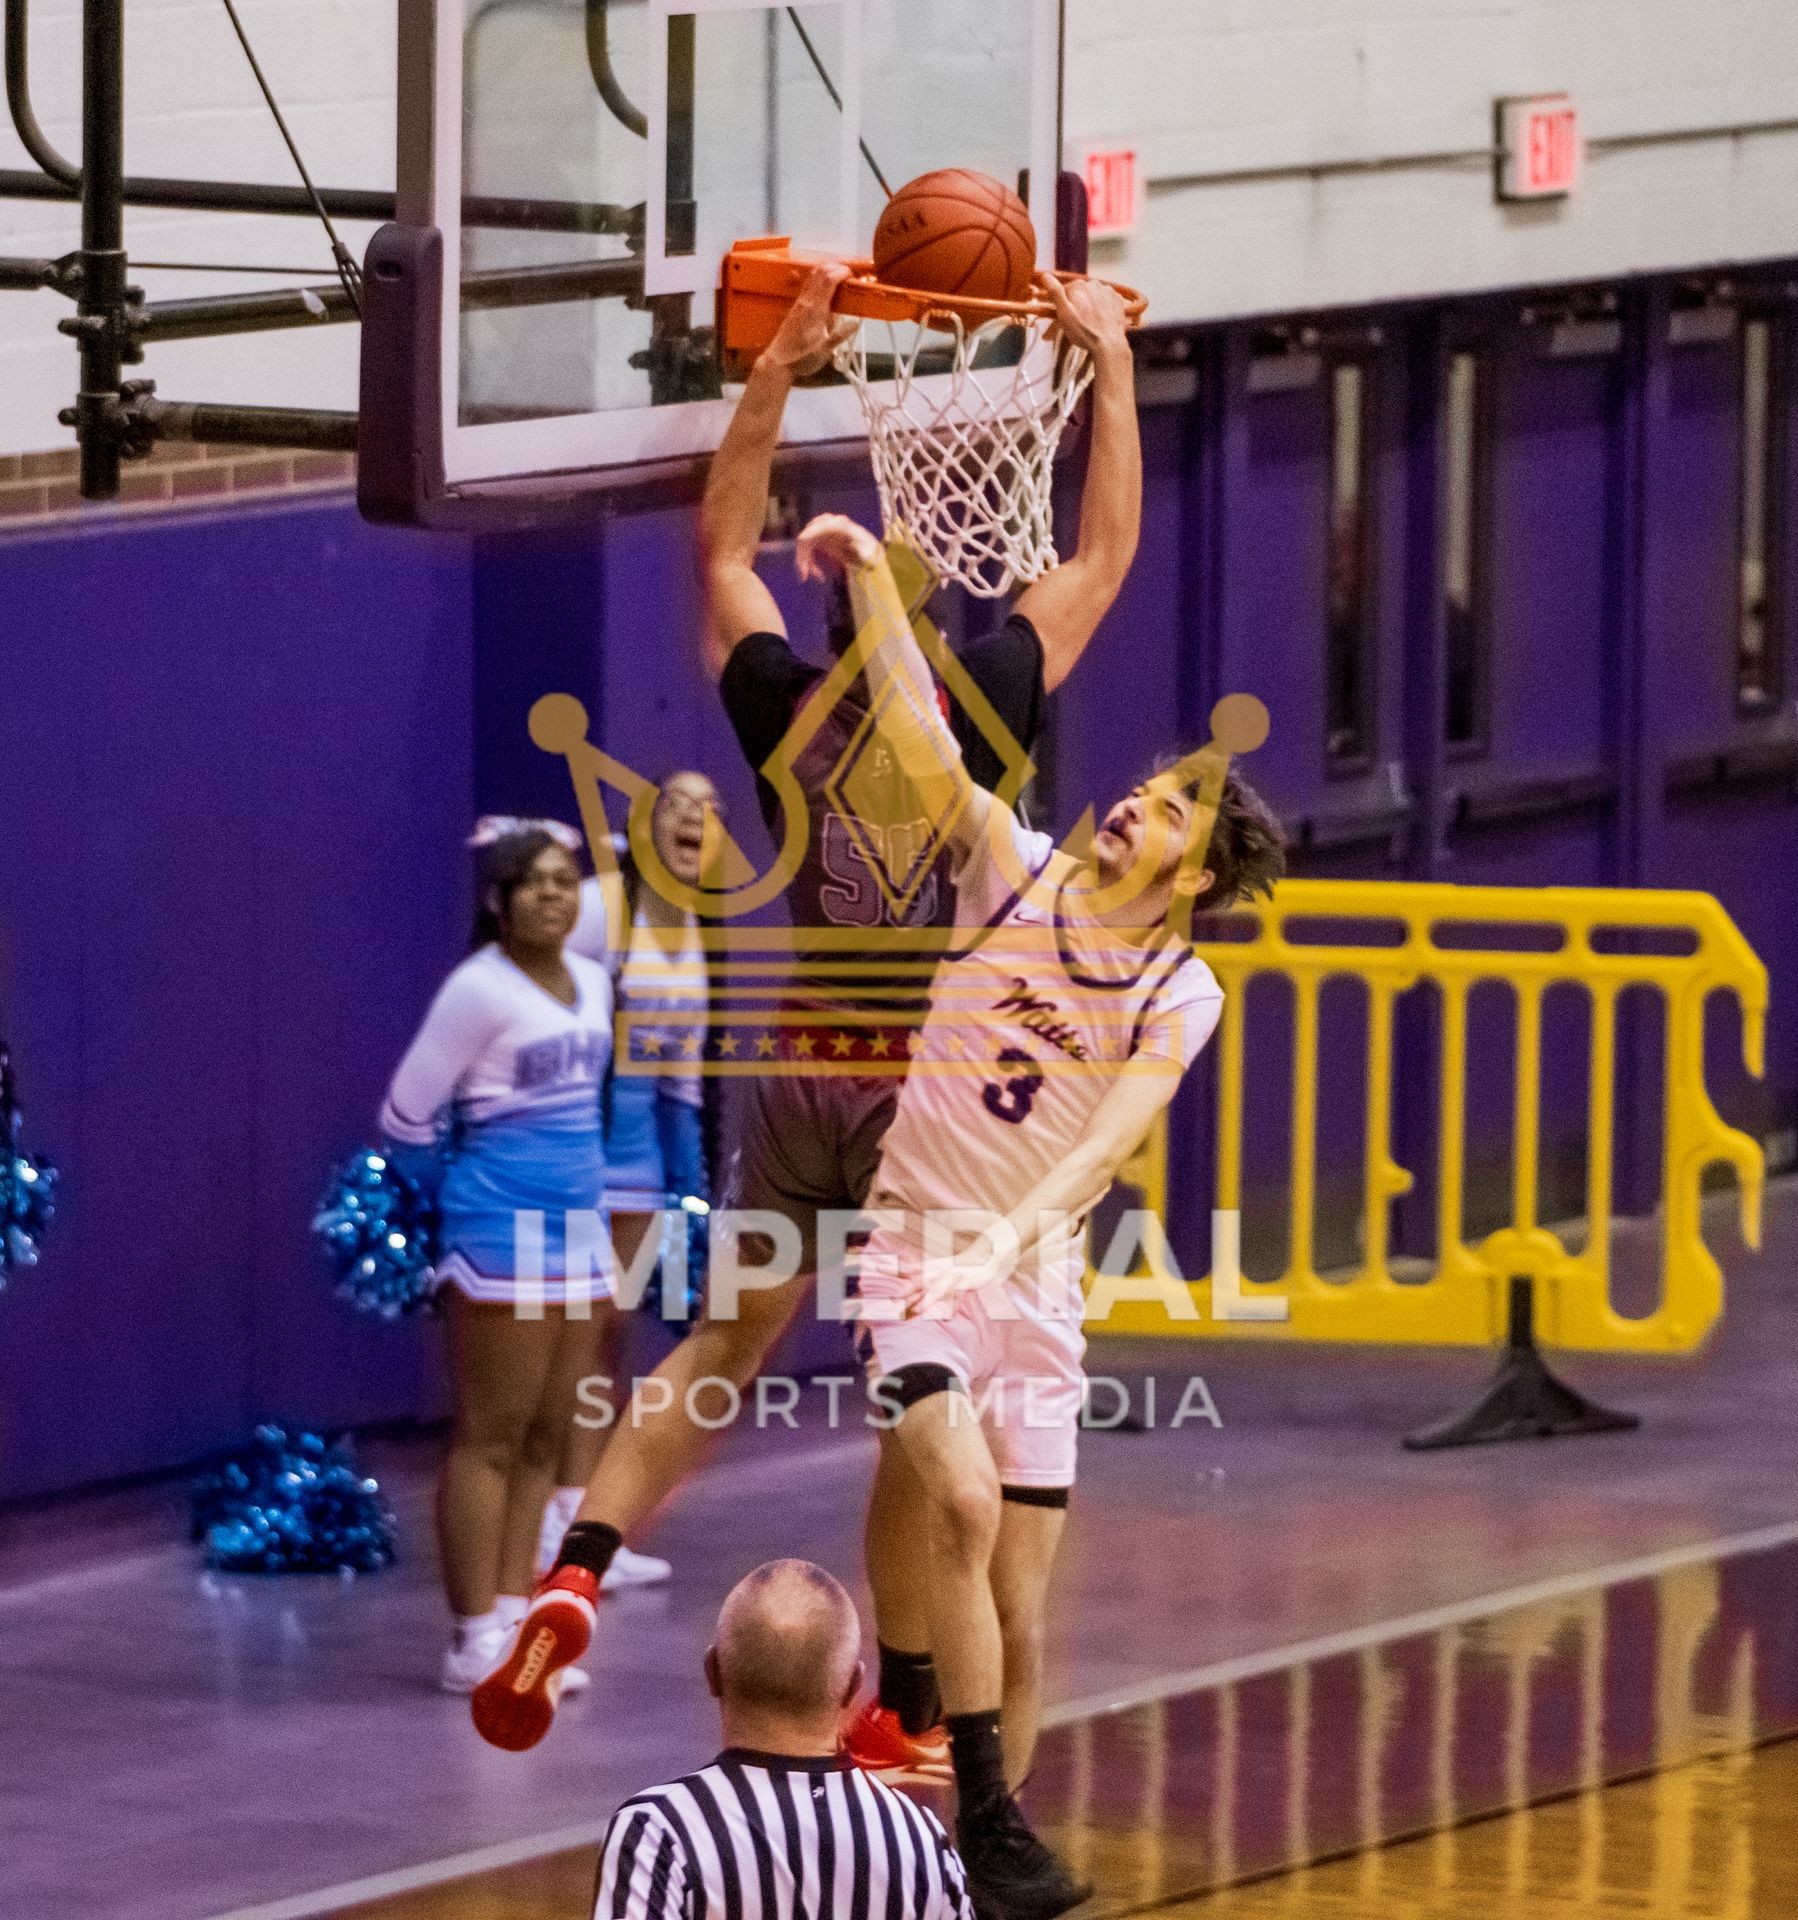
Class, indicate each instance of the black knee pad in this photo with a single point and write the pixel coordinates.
(1053, 1497)
(919, 1381)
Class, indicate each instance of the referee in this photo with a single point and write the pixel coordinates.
(781, 1826)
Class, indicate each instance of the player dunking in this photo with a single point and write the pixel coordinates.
(1054, 1039)
(810, 1143)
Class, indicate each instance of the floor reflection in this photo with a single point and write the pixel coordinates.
(1424, 1732)
(1713, 1840)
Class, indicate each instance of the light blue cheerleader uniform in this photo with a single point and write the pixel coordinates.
(515, 1075)
(655, 1108)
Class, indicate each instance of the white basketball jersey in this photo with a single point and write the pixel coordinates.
(1029, 1028)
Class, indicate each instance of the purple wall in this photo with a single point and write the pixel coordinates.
(237, 761)
(1612, 749)
(241, 753)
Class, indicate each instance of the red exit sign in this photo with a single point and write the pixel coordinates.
(1111, 190)
(1538, 147)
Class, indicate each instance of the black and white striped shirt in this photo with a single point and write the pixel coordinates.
(758, 1837)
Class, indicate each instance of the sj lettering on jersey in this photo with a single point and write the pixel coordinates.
(854, 895)
(1038, 1015)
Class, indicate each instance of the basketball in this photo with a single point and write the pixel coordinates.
(956, 232)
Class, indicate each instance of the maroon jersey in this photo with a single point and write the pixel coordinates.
(872, 860)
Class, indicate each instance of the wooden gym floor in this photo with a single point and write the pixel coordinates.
(1282, 1642)
(1713, 1840)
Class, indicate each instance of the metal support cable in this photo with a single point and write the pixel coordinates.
(347, 270)
(18, 98)
(805, 40)
(630, 116)
(221, 266)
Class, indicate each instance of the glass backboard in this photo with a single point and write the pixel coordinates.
(587, 164)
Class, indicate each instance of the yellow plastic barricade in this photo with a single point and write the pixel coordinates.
(1464, 1300)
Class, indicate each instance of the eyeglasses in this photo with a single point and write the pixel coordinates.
(676, 801)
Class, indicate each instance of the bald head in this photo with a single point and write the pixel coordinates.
(788, 1646)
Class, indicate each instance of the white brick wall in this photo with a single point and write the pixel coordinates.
(1201, 86)
(1196, 85)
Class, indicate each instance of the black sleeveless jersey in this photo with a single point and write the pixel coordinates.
(871, 861)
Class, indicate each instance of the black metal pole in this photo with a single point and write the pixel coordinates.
(209, 316)
(312, 429)
(342, 203)
(100, 326)
(28, 276)
(671, 314)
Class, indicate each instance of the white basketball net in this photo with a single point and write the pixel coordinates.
(962, 430)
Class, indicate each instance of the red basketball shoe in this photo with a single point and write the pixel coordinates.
(879, 1745)
(514, 1705)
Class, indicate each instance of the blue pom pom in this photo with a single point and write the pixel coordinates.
(378, 1227)
(27, 1200)
(27, 1186)
(692, 1217)
(291, 1503)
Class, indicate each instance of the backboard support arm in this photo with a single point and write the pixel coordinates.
(101, 326)
(18, 98)
(599, 62)
(512, 213)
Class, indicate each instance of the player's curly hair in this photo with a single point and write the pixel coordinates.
(1247, 852)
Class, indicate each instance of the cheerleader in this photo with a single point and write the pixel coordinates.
(507, 1069)
(655, 1123)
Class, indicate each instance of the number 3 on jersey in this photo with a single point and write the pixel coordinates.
(1012, 1101)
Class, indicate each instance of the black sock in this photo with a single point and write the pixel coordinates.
(908, 1688)
(590, 1544)
(979, 1760)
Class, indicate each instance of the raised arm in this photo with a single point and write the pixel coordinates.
(915, 729)
(1067, 604)
(735, 506)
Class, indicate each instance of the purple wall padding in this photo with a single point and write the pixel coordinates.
(238, 767)
(241, 753)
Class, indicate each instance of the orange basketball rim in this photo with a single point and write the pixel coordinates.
(965, 402)
(761, 279)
